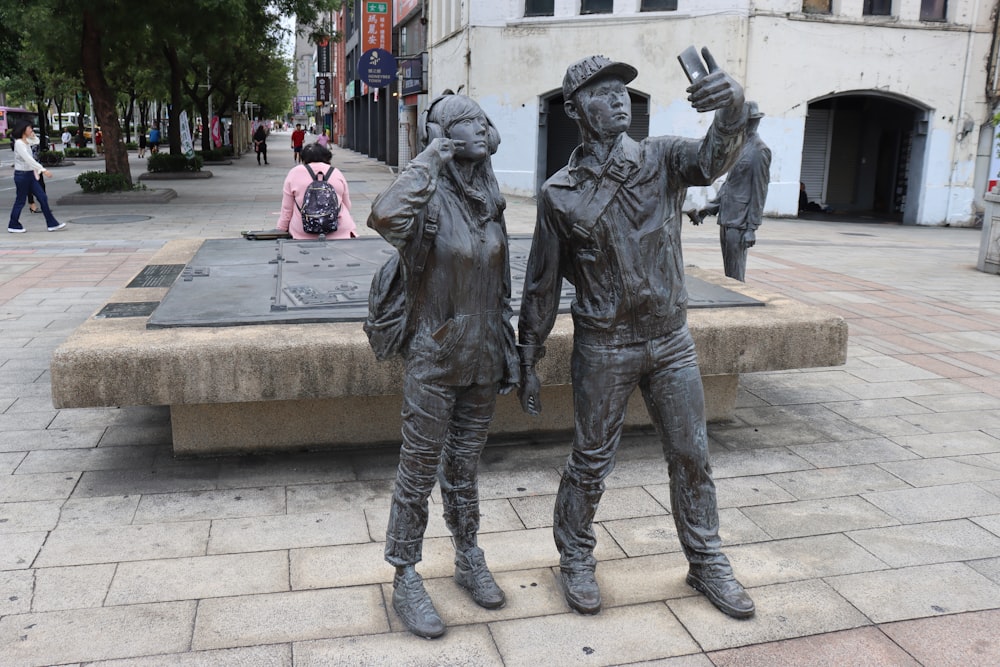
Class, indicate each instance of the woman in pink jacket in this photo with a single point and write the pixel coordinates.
(298, 179)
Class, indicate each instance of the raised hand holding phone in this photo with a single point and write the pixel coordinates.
(713, 89)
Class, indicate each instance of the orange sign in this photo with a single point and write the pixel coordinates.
(377, 25)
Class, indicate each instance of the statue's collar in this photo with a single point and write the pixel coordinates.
(622, 159)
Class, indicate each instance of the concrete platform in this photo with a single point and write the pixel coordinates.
(271, 388)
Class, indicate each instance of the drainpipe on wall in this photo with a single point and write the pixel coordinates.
(961, 136)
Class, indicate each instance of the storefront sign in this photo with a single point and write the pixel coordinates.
(412, 73)
(376, 25)
(323, 57)
(404, 7)
(322, 88)
(377, 67)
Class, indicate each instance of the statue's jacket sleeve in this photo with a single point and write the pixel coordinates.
(461, 309)
(628, 272)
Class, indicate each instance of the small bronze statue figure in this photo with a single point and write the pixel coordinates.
(610, 223)
(740, 203)
(444, 214)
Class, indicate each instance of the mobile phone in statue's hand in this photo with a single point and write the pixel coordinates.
(692, 63)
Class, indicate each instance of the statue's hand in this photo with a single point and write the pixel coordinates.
(748, 238)
(529, 391)
(445, 149)
(715, 91)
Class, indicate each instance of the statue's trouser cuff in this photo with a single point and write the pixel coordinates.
(443, 427)
(666, 371)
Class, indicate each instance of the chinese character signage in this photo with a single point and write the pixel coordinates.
(323, 57)
(322, 88)
(376, 26)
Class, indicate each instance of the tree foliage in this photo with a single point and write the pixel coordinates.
(125, 52)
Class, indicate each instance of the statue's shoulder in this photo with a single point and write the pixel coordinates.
(557, 181)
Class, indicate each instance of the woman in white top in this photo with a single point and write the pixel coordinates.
(26, 172)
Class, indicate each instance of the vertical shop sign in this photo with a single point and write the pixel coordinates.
(377, 25)
(323, 56)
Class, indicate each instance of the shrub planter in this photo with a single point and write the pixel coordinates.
(173, 175)
(133, 197)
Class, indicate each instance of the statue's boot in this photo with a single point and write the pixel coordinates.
(581, 591)
(461, 515)
(472, 574)
(573, 530)
(413, 604)
(721, 588)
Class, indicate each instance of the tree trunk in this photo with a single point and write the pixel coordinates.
(115, 155)
(174, 124)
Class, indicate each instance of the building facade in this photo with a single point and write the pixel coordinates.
(881, 108)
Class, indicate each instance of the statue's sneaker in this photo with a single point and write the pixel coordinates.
(721, 588)
(581, 590)
(414, 606)
(472, 574)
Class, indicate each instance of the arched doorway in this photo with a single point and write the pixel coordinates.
(863, 154)
(558, 134)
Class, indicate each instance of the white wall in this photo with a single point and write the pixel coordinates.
(784, 58)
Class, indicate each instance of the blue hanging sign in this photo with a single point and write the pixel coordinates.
(377, 68)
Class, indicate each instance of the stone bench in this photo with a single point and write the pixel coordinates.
(296, 386)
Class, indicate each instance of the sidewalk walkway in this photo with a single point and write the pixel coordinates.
(860, 504)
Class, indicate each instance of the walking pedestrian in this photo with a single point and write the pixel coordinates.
(26, 172)
(260, 143)
(298, 138)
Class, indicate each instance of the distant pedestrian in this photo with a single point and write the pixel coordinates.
(26, 173)
(260, 143)
(99, 141)
(323, 138)
(154, 139)
(142, 143)
(81, 138)
(298, 138)
(67, 140)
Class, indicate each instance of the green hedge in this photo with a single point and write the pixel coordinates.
(215, 155)
(99, 181)
(50, 158)
(165, 162)
(79, 152)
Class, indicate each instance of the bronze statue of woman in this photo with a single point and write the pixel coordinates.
(461, 350)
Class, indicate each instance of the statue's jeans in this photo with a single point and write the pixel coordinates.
(666, 371)
(444, 432)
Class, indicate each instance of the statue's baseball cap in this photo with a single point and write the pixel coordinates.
(591, 68)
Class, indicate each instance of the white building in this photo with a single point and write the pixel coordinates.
(878, 106)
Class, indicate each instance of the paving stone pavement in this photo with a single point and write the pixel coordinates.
(860, 504)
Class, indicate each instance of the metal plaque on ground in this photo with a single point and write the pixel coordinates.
(127, 309)
(157, 275)
(235, 282)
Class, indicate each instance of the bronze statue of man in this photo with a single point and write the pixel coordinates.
(740, 203)
(610, 223)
